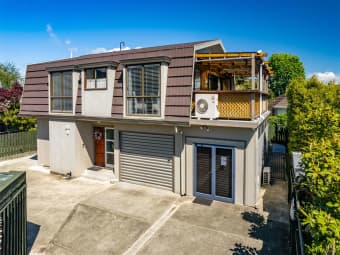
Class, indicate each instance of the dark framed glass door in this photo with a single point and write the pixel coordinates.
(214, 166)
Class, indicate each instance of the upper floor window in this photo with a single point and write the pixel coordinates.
(61, 91)
(96, 78)
(143, 92)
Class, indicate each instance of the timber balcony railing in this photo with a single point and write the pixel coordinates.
(231, 104)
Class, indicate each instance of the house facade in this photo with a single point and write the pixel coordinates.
(189, 118)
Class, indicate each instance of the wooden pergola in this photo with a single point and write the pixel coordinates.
(250, 64)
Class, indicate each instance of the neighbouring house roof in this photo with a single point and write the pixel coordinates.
(280, 102)
(179, 83)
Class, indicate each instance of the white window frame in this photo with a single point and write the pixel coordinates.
(95, 80)
(106, 152)
(164, 78)
(75, 81)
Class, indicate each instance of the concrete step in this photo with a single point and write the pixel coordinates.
(104, 175)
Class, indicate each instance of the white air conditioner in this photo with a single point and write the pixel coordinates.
(266, 175)
(206, 106)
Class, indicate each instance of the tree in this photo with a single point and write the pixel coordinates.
(313, 112)
(9, 110)
(314, 129)
(9, 73)
(286, 67)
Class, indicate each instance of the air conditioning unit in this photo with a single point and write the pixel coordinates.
(206, 106)
(266, 175)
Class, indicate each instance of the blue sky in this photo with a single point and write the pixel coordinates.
(36, 31)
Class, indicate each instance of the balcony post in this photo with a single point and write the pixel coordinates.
(252, 105)
(261, 88)
(253, 71)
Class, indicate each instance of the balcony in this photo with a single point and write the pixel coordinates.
(237, 105)
(234, 86)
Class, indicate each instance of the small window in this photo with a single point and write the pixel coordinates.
(143, 92)
(96, 78)
(61, 92)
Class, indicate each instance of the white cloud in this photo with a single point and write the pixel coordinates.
(326, 76)
(68, 42)
(102, 50)
(50, 32)
(99, 50)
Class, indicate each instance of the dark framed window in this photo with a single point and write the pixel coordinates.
(143, 90)
(96, 78)
(61, 92)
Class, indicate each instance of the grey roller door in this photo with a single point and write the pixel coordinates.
(147, 159)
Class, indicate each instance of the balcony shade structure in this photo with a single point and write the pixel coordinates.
(239, 78)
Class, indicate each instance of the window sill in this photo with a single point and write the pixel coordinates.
(87, 89)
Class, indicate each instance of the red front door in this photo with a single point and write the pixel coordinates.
(99, 138)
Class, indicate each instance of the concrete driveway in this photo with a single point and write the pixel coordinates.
(82, 216)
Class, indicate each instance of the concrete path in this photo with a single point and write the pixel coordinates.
(81, 216)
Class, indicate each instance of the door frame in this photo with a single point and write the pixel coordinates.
(213, 196)
(105, 152)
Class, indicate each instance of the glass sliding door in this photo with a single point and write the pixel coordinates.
(109, 147)
(203, 170)
(223, 172)
(214, 172)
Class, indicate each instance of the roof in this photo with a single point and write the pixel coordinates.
(179, 83)
(280, 102)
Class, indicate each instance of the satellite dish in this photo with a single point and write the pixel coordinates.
(202, 106)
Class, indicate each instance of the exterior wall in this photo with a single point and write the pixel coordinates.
(98, 102)
(62, 146)
(43, 142)
(261, 148)
(70, 146)
(241, 140)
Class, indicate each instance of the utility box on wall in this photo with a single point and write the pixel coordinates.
(13, 213)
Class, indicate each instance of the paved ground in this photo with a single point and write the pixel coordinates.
(88, 217)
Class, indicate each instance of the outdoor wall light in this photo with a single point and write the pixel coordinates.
(205, 128)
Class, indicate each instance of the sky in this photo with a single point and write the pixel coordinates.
(36, 31)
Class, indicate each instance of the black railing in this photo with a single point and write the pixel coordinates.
(13, 213)
(296, 236)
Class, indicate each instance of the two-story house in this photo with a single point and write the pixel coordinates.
(190, 118)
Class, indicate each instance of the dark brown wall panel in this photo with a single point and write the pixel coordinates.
(34, 81)
(39, 100)
(180, 81)
(37, 87)
(35, 94)
(180, 71)
(178, 101)
(36, 74)
(179, 91)
(178, 94)
(33, 107)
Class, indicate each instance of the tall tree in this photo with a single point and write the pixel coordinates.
(286, 67)
(9, 73)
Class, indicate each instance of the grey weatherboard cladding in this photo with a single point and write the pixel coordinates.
(179, 81)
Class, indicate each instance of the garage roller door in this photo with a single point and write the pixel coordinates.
(147, 159)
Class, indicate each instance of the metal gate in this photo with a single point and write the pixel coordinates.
(13, 213)
(147, 159)
(277, 160)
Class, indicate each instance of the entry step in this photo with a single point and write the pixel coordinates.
(100, 174)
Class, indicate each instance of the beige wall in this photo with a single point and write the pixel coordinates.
(237, 138)
(43, 142)
(70, 146)
(98, 103)
(75, 152)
